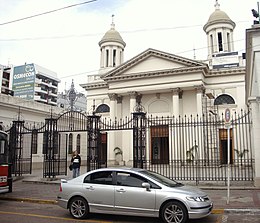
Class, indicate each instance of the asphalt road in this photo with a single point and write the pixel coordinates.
(25, 212)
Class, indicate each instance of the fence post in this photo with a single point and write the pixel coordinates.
(94, 143)
(50, 145)
(139, 139)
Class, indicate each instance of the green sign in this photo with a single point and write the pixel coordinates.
(23, 81)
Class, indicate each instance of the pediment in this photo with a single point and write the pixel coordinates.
(151, 61)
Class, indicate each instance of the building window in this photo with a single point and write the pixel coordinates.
(103, 108)
(220, 44)
(160, 144)
(70, 143)
(228, 42)
(114, 58)
(107, 56)
(224, 99)
(78, 143)
(223, 140)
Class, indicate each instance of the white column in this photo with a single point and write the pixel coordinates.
(231, 41)
(101, 58)
(132, 102)
(119, 106)
(175, 102)
(104, 55)
(209, 44)
(111, 134)
(120, 134)
(200, 91)
(130, 138)
(122, 56)
(225, 41)
(215, 42)
(110, 59)
(118, 56)
(255, 106)
(113, 98)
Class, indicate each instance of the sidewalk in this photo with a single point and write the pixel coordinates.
(32, 188)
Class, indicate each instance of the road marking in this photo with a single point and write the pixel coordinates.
(221, 218)
(224, 219)
(52, 217)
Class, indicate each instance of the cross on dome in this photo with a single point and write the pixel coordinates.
(217, 5)
(113, 24)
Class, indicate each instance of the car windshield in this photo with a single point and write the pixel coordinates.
(162, 179)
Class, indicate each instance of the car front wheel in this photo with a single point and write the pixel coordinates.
(174, 212)
(78, 208)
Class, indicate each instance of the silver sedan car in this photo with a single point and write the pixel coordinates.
(131, 191)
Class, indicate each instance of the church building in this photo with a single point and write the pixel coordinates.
(167, 85)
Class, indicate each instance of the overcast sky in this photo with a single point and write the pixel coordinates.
(66, 41)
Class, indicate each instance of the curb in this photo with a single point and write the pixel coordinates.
(247, 211)
(29, 200)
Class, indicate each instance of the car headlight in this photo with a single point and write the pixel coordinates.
(198, 199)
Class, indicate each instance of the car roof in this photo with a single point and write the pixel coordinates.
(119, 168)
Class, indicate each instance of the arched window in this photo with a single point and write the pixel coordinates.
(224, 99)
(70, 143)
(78, 143)
(103, 108)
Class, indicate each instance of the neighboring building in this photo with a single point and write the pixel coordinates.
(5, 80)
(71, 100)
(166, 84)
(33, 82)
(253, 89)
(34, 114)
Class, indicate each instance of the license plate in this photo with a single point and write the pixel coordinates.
(3, 179)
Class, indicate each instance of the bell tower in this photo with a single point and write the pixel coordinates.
(219, 29)
(112, 49)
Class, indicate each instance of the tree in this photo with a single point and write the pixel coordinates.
(241, 154)
(191, 153)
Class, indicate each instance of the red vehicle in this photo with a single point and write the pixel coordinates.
(6, 181)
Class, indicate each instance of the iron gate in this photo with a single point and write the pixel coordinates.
(189, 148)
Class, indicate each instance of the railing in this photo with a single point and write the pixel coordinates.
(202, 170)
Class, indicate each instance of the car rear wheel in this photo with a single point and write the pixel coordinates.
(174, 212)
(78, 208)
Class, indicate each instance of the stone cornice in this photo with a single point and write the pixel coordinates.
(151, 52)
(94, 85)
(225, 72)
(175, 71)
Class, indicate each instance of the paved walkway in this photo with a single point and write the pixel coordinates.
(33, 188)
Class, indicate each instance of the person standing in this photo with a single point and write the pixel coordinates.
(76, 162)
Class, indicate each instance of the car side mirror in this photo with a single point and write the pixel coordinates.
(146, 185)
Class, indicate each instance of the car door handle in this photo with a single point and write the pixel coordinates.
(89, 188)
(121, 190)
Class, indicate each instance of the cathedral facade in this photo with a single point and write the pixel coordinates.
(168, 85)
